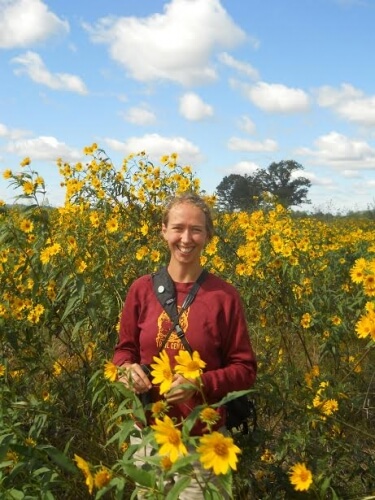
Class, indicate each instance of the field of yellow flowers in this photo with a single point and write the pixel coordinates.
(308, 289)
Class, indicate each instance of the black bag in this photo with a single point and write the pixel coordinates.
(241, 415)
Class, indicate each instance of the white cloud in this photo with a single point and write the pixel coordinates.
(241, 67)
(361, 111)
(32, 65)
(25, 22)
(246, 124)
(139, 116)
(341, 152)
(349, 103)
(238, 144)
(277, 98)
(12, 133)
(176, 45)
(243, 167)
(44, 148)
(329, 96)
(157, 146)
(362, 191)
(350, 174)
(193, 108)
(314, 178)
(274, 97)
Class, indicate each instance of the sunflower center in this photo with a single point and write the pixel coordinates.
(192, 366)
(221, 449)
(209, 413)
(304, 476)
(167, 374)
(174, 438)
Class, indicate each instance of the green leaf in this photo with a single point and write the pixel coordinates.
(47, 495)
(190, 421)
(140, 476)
(178, 488)
(324, 487)
(335, 497)
(71, 305)
(123, 433)
(81, 288)
(62, 286)
(14, 494)
(42, 470)
(59, 458)
(117, 483)
(232, 395)
(183, 464)
(226, 481)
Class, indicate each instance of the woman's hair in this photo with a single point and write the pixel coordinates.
(195, 200)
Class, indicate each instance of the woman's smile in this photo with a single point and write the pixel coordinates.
(185, 250)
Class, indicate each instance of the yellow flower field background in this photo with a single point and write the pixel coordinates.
(308, 287)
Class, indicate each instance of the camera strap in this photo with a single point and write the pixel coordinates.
(165, 292)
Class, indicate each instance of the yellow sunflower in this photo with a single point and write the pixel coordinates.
(110, 371)
(7, 174)
(159, 408)
(330, 406)
(300, 477)
(365, 326)
(218, 452)
(189, 366)
(305, 320)
(169, 438)
(209, 415)
(162, 372)
(26, 226)
(28, 187)
(85, 468)
(102, 477)
(357, 272)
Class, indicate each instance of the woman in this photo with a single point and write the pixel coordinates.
(214, 324)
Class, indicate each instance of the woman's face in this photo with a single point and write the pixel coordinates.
(185, 233)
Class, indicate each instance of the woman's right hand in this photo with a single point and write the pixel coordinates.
(135, 378)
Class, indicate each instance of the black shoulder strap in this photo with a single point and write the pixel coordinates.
(166, 294)
(165, 291)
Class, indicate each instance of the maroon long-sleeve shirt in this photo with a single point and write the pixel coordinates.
(214, 325)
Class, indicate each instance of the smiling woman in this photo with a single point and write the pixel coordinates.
(214, 328)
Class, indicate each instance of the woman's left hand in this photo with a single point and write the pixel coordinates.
(178, 393)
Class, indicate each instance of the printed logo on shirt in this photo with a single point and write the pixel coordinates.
(164, 325)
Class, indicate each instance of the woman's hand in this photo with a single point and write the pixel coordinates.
(178, 393)
(135, 378)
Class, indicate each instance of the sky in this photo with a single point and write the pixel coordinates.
(231, 86)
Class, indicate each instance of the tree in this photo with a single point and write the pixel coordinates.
(238, 192)
(245, 192)
(278, 180)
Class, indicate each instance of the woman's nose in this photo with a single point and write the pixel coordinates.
(186, 235)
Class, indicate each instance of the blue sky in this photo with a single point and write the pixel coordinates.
(230, 85)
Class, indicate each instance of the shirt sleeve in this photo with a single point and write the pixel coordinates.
(238, 365)
(127, 349)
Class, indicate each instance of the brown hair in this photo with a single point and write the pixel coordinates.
(195, 200)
